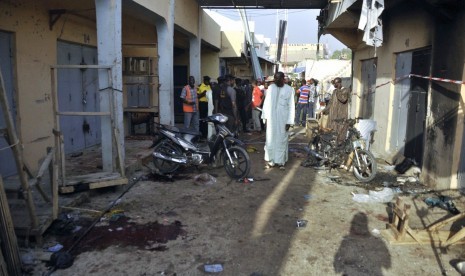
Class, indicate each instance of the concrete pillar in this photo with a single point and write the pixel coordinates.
(165, 33)
(194, 59)
(195, 51)
(108, 14)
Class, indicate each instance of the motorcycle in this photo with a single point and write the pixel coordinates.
(176, 147)
(323, 150)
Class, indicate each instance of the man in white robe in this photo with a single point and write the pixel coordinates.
(278, 112)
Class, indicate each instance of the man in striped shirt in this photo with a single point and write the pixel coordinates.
(302, 104)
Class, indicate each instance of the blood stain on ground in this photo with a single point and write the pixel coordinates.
(150, 236)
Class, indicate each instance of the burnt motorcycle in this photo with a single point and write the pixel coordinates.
(175, 147)
(323, 150)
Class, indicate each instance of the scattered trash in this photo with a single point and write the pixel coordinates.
(375, 232)
(403, 166)
(76, 154)
(383, 196)
(389, 168)
(61, 260)
(204, 179)
(77, 228)
(28, 258)
(246, 180)
(301, 223)
(308, 197)
(443, 202)
(412, 179)
(402, 179)
(251, 149)
(55, 248)
(119, 229)
(460, 266)
(110, 230)
(213, 268)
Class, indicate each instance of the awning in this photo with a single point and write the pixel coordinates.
(298, 70)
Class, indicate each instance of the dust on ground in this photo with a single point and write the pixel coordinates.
(176, 226)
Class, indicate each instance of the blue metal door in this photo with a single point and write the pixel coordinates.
(78, 91)
(7, 163)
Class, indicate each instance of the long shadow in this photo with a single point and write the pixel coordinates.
(360, 253)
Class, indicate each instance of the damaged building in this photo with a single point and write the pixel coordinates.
(408, 76)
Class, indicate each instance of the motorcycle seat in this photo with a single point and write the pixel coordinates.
(189, 131)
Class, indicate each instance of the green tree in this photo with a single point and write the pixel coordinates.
(345, 53)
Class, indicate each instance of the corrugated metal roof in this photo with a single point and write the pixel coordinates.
(264, 4)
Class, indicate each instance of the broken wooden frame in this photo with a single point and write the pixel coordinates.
(93, 180)
(399, 232)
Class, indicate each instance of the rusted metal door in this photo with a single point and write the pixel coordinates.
(401, 99)
(368, 88)
(78, 91)
(7, 165)
(416, 116)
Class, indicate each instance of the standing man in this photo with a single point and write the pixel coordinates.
(311, 97)
(203, 104)
(302, 104)
(338, 109)
(190, 105)
(227, 103)
(257, 99)
(279, 113)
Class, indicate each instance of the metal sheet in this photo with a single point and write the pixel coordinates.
(7, 166)
(264, 4)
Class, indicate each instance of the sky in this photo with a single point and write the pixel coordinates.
(302, 26)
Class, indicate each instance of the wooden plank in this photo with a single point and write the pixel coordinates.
(460, 235)
(46, 163)
(93, 177)
(17, 151)
(54, 182)
(91, 66)
(424, 237)
(7, 235)
(79, 113)
(441, 224)
(102, 184)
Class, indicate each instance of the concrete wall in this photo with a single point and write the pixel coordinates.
(186, 16)
(34, 52)
(231, 43)
(403, 34)
(409, 31)
(210, 64)
(210, 31)
(445, 125)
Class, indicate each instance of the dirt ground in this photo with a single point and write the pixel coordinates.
(176, 227)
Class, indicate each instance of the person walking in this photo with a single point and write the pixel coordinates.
(190, 105)
(279, 113)
(227, 103)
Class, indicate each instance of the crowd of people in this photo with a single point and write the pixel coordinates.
(273, 105)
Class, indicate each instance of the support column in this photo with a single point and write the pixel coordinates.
(194, 59)
(109, 40)
(165, 33)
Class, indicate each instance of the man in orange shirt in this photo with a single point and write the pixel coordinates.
(257, 99)
(190, 105)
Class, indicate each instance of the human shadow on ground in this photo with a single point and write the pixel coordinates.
(361, 253)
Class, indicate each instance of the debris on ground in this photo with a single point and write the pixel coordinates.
(383, 196)
(443, 202)
(204, 179)
(213, 268)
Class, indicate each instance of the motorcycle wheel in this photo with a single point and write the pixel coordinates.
(170, 149)
(240, 165)
(367, 169)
